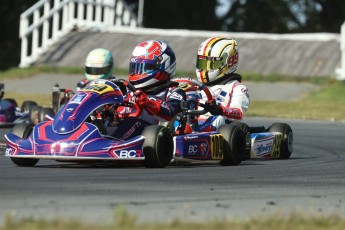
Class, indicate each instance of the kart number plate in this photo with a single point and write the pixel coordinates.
(276, 145)
(217, 146)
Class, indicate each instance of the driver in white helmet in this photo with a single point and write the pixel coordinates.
(216, 64)
(98, 65)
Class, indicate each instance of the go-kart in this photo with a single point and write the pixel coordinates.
(10, 113)
(232, 142)
(78, 133)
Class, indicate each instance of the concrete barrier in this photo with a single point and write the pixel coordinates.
(300, 55)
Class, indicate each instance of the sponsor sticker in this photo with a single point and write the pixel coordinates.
(124, 153)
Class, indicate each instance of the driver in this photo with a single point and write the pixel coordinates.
(157, 98)
(98, 65)
(216, 63)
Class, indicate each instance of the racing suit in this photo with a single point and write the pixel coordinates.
(161, 106)
(232, 101)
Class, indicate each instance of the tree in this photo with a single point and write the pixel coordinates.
(10, 11)
(181, 14)
(322, 15)
(265, 16)
(285, 16)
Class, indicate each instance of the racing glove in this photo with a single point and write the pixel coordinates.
(141, 98)
(151, 106)
(213, 108)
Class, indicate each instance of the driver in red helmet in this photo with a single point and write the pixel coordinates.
(157, 98)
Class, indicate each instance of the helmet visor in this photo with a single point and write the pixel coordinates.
(143, 66)
(97, 70)
(209, 63)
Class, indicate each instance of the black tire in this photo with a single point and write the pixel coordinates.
(33, 114)
(286, 145)
(23, 130)
(43, 112)
(158, 146)
(248, 137)
(234, 144)
(13, 101)
(26, 105)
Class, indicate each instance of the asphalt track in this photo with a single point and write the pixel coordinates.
(311, 182)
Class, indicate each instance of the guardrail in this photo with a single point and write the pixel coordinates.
(42, 25)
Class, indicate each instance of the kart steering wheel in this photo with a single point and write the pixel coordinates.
(131, 87)
(190, 84)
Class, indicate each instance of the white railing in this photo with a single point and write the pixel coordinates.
(47, 21)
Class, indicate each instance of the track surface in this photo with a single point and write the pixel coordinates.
(312, 182)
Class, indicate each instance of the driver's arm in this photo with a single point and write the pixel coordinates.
(239, 103)
(169, 108)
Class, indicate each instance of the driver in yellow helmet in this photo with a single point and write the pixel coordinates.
(216, 63)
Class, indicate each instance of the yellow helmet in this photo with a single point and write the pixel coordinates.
(217, 56)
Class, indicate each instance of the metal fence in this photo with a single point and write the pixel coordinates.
(47, 21)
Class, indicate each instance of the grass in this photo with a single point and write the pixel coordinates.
(327, 103)
(125, 221)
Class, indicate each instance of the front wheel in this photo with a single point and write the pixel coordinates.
(286, 144)
(23, 130)
(158, 146)
(234, 146)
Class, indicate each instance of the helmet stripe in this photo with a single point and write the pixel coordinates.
(202, 76)
(224, 48)
(211, 45)
(207, 79)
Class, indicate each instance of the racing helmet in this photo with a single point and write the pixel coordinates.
(217, 57)
(99, 64)
(152, 63)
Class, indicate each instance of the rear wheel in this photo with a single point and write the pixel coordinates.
(248, 137)
(158, 146)
(26, 105)
(23, 130)
(12, 101)
(286, 145)
(33, 114)
(234, 144)
(43, 112)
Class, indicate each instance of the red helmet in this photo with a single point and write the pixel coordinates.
(152, 63)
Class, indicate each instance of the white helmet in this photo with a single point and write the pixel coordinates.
(217, 56)
(99, 64)
(152, 63)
